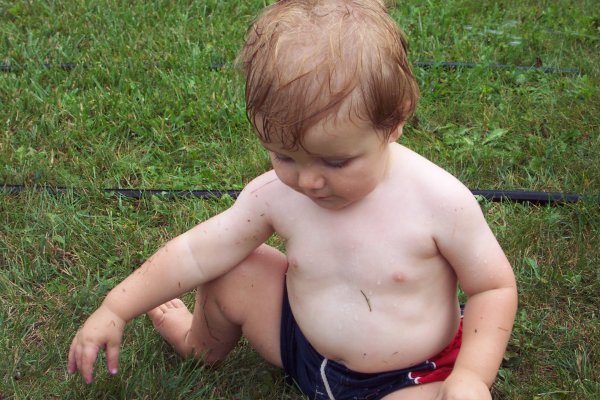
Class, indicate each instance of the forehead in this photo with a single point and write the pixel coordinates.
(347, 116)
(333, 137)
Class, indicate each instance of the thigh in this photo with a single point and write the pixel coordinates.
(426, 391)
(251, 296)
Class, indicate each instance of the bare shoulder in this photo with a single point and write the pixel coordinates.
(260, 184)
(263, 189)
(461, 232)
(436, 188)
(265, 194)
(444, 198)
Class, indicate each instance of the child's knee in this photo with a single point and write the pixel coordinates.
(263, 267)
(230, 299)
(266, 258)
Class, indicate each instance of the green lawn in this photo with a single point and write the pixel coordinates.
(153, 101)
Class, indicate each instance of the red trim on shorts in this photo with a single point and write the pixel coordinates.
(444, 361)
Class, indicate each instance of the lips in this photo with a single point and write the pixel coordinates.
(318, 198)
(313, 196)
(324, 201)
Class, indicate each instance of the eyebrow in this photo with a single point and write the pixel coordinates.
(335, 157)
(329, 157)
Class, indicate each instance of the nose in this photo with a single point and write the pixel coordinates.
(310, 179)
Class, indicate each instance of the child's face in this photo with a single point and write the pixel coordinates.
(339, 164)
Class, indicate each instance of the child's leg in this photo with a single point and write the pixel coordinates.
(247, 301)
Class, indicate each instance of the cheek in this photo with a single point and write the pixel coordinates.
(284, 173)
(351, 180)
(358, 180)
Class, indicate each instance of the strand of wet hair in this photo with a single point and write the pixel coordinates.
(493, 195)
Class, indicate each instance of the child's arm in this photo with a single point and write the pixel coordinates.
(486, 277)
(197, 256)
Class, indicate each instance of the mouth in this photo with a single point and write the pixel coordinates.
(319, 198)
(312, 195)
(322, 200)
(328, 202)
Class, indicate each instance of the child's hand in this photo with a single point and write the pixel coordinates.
(103, 329)
(464, 385)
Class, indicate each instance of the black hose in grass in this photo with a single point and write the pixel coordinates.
(516, 196)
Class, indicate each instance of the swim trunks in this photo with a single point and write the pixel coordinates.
(323, 379)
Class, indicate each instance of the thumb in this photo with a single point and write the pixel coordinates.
(112, 358)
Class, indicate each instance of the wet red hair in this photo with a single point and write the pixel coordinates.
(307, 60)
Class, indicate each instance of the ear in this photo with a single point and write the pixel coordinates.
(396, 133)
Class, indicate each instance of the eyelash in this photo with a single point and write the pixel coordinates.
(281, 158)
(330, 164)
(336, 164)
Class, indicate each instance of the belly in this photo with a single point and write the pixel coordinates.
(375, 331)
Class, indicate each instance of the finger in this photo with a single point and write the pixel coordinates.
(79, 358)
(71, 361)
(112, 358)
(87, 363)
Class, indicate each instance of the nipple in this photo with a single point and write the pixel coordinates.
(399, 277)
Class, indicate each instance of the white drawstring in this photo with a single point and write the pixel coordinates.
(325, 381)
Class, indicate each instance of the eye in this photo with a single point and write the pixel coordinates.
(336, 163)
(281, 157)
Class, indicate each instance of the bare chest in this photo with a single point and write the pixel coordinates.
(376, 249)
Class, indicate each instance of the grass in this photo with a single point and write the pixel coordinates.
(145, 107)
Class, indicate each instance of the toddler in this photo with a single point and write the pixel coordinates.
(363, 303)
